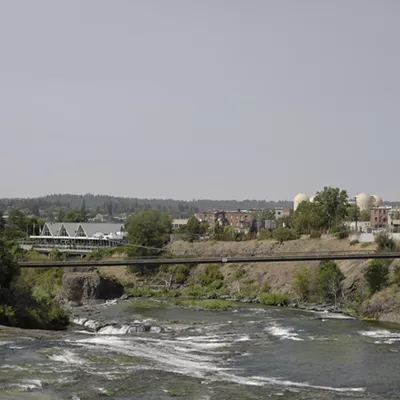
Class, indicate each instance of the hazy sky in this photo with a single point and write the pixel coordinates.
(199, 98)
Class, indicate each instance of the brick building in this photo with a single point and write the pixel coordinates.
(380, 217)
(281, 212)
(238, 219)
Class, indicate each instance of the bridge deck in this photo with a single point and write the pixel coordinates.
(355, 255)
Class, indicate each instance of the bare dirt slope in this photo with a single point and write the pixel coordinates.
(280, 276)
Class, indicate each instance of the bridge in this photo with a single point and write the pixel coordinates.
(192, 260)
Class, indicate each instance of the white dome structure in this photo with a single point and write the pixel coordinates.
(364, 201)
(377, 201)
(299, 199)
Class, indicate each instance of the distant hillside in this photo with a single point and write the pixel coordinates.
(46, 206)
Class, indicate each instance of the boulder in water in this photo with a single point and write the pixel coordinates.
(83, 287)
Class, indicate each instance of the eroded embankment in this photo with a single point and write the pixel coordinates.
(279, 275)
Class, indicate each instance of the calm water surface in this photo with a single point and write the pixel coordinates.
(243, 353)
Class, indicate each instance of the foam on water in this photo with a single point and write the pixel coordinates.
(384, 336)
(265, 381)
(67, 357)
(282, 332)
(331, 315)
(112, 330)
(26, 384)
(180, 360)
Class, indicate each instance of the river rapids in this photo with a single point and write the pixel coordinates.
(138, 350)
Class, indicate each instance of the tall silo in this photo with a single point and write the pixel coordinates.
(299, 199)
(364, 201)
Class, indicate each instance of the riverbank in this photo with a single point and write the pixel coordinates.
(281, 284)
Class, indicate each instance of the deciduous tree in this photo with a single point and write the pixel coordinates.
(329, 281)
(148, 231)
(334, 203)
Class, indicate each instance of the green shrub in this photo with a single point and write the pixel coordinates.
(265, 287)
(142, 292)
(274, 299)
(265, 234)
(240, 272)
(56, 255)
(377, 275)
(315, 235)
(396, 275)
(354, 242)
(207, 304)
(210, 273)
(247, 292)
(180, 273)
(303, 283)
(195, 290)
(329, 281)
(95, 255)
(385, 242)
(285, 234)
(340, 231)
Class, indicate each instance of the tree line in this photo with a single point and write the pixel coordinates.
(49, 206)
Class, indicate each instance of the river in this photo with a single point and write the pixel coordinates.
(156, 351)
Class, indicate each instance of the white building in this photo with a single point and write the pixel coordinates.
(80, 235)
(178, 223)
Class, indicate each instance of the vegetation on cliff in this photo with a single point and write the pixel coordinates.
(26, 297)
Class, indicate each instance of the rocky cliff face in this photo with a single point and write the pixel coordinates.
(279, 275)
(85, 285)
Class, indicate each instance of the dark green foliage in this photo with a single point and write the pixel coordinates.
(334, 205)
(303, 283)
(364, 215)
(285, 234)
(396, 275)
(315, 235)
(211, 273)
(26, 300)
(149, 232)
(194, 227)
(308, 218)
(209, 283)
(8, 267)
(76, 215)
(385, 242)
(56, 255)
(329, 281)
(265, 234)
(109, 205)
(97, 255)
(353, 213)
(377, 275)
(274, 299)
(175, 273)
(180, 273)
(341, 231)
